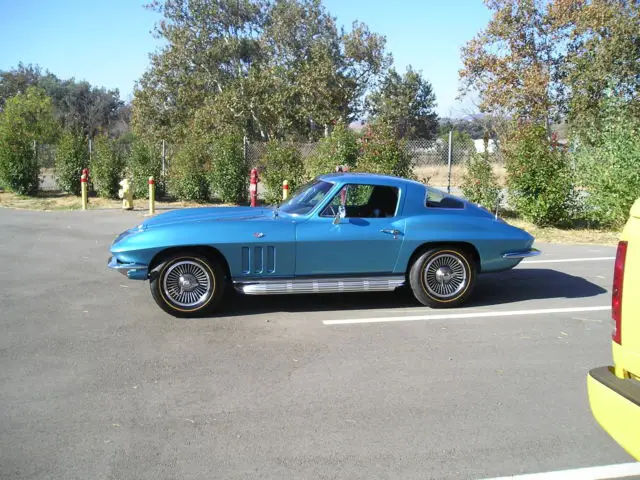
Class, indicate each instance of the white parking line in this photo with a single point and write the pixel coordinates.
(620, 470)
(447, 316)
(563, 260)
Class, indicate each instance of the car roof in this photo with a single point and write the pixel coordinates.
(415, 192)
(374, 178)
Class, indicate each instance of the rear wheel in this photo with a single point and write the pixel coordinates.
(187, 284)
(443, 277)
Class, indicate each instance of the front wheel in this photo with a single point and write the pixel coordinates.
(443, 277)
(187, 285)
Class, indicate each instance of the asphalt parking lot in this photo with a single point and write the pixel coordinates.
(96, 382)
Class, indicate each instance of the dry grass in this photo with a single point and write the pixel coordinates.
(569, 235)
(437, 175)
(49, 201)
(42, 201)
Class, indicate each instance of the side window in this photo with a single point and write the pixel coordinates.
(437, 199)
(364, 201)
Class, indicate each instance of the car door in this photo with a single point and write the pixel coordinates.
(366, 240)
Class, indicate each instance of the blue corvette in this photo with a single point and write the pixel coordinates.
(343, 232)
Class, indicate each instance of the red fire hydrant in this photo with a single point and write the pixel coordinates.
(253, 186)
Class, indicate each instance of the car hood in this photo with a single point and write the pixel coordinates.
(208, 214)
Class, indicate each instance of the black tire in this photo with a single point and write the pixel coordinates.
(185, 269)
(450, 277)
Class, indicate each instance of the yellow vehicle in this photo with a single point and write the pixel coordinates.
(614, 391)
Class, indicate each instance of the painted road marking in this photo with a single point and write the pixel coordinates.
(621, 470)
(563, 260)
(507, 313)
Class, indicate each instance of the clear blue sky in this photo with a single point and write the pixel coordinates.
(107, 42)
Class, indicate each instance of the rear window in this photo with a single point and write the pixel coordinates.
(438, 199)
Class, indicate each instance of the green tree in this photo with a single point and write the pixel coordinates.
(229, 174)
(479, 182)
(208, 45)
(82, 107)
(601, 61)
(144, 161)
(609, 171)
(327, 70)
(16, 81)
(513, 63)
(107, 167)
(27, 119)
(339, 148)
(282, 161)
(188, 171)
(539, 179)
(407, 102)
(268, 69)
(382, 152)
(77, 106)
(545, 60)
(475, 126)
(72, 155)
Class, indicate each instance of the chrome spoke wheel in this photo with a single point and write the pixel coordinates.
(187, 283)
(445, 275)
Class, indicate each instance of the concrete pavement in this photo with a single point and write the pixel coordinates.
(97, 382)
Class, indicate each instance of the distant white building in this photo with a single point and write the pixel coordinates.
(479, 144)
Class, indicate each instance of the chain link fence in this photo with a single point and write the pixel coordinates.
(438, 162)
(46, 157)
(441, 163)
(433, 161)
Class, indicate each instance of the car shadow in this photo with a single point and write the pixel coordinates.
(530, 284)
(491, 289)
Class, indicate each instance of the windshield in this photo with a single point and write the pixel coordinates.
(307, 198)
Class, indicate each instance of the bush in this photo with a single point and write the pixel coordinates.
(282, 161)
(26, 120)
(382, 153)
(610, 171)
(107, 167)
(228, 174)
(19, 167)
(143, 162)
(72, 155)
(340, 148)
(479, 183)
(188, 179)
(539, 180)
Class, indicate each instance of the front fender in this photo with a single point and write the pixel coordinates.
(231, 239)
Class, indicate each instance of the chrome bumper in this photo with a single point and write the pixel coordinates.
(133, 271)
(533, 252)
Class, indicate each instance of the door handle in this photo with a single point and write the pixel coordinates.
(391, 231)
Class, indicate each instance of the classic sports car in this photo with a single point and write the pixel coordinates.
(342, 232)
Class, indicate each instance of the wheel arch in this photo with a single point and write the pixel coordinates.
(207, 251)
(465, 246)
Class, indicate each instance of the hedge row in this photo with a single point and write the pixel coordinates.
(589, 185)
(203, 170)
(547, 183)
(109, 163)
